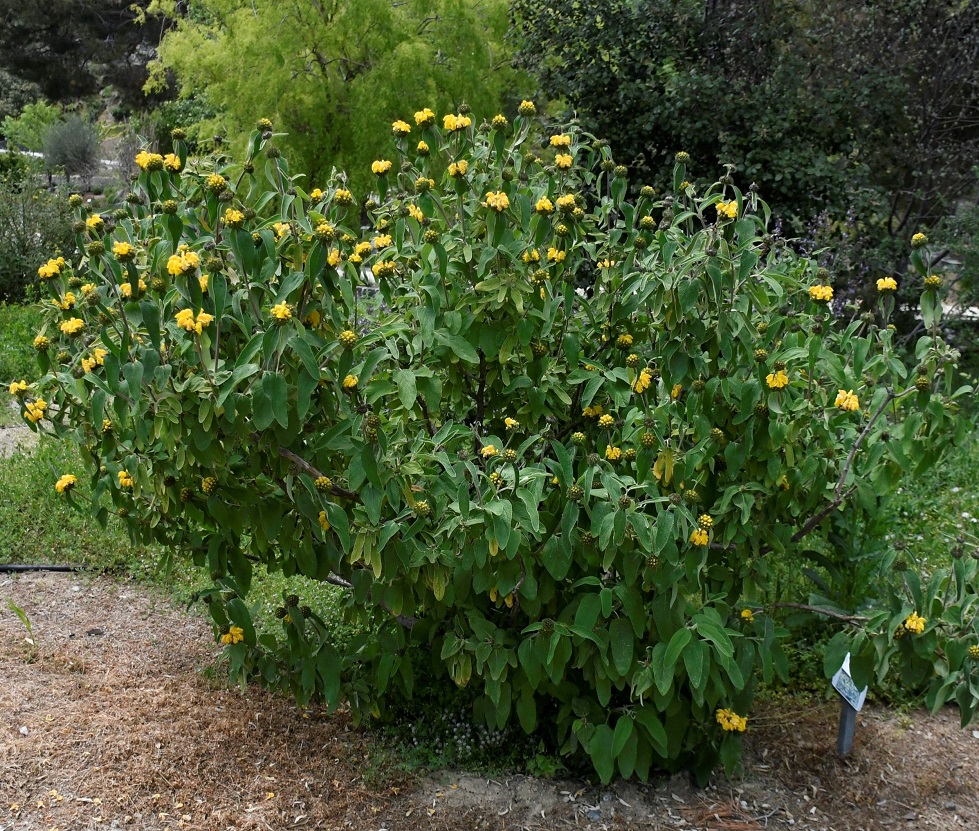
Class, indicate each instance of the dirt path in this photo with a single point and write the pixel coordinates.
(117, 717)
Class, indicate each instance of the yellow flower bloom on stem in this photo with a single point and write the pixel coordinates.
(416, 213)
(676, 392)
(125, 480)
(455, 123)
(381, 241)
(343, 197)
(402, 128)
(563, 161)
(234, 218)
(747, 616)
(324, 522)
(509, 423)
(821, 294)
(49, 270)
(350, 382)
(334, 258)
(316, 194)
(499, 202)
(381, 166)
(606, 263)
(34, 411)
(65, 483)
(918, 240)
(731, 721)
(123, 251)
(362, 249)
(641, 384)
(74, 326)
(915, 623)
(544, 206)
(566, 203)
(458, 168)
(847, 400)
(95, 222)
(526, 108)
(562, 140)
(613, 454)
(149, 161)
(606, 421)
(18, 388)
(727, 210)
(699, 536)
(556, 256)
(203, 281)
(235, 634)
(126, 290)
(488, 450)
(424, 117)
(593, 411)
(933, 281)
(281, 311)
(187, 321)
(280, 229)
(777, 380)
(183, 262)
(531, 255)
(886, 284)
(172, 162)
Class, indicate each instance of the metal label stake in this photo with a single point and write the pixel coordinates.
(851, 703)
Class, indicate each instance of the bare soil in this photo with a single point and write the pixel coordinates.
(116, 714)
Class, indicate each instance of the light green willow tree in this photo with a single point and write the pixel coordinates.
(329, 71)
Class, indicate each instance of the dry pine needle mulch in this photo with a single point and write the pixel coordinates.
(119, 716)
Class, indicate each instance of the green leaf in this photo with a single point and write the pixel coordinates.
(621, 640)
(458, 344)
(276, 389)
(407, 392)
(600, 750)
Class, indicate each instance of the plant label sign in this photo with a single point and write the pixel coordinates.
(843, 684)
(853, 700)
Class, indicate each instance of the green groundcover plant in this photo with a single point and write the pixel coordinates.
(555, 465)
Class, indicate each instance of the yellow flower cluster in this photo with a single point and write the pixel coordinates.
(531, 255)
(918, 240)
(747, 616)
(34, 411)
(334, 258)
(847, 400)
(563, 161)
(731, 721)
(511, 423)
(123, 251)
(727, 210)
(350, 382)
(125, 480)
(458, 168)
(699, 536)
(422, 149)
(51, 269)
(593, 411)
(416, 213)
(172, 162)
(65, 483)
(624, 341)
(489, 450)
(216, 183)
(424, 117)
(280, 229)
(606, 263)
(544, 206)
(149, 161)
(66, 303)
(95, 222)
(235, 634)
(613, 454)
(566, 203)
(886, 284)
(281, 311)
(343, 197)
(556, 256)
(18, 388)
(381, 241)
(821, 294)
(402, 128)
(186, 320)
(641, 384)
(676, 392)
(606, 421)
(455, 123)
(915, 623)
(72, 327)
(183, 261)
(562, 140)
(234, 218)
(316, 194)
(777, 380)
(324, 522)
(97, 359)
(499, 202)
(933, 281)
(381, 166)
(526, 108)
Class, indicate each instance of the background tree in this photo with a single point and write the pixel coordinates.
(67, 49)
(329, 72)
(870, 108)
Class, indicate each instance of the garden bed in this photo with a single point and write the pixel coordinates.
(120, 717)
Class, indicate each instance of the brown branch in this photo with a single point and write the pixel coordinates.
(312, 471)
(428, 418)
(814, 520)
(821, 611)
